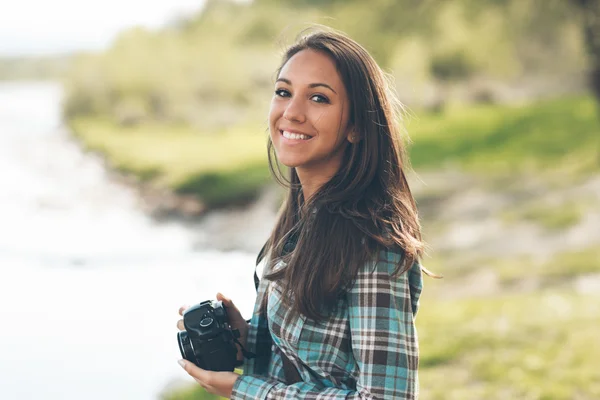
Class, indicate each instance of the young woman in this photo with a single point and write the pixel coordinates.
(335, 310)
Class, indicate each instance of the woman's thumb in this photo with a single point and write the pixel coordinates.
(224, 299)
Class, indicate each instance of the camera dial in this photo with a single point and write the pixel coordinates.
(206, 322)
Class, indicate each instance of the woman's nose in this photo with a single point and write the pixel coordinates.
(295, 111)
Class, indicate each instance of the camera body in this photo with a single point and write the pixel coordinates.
(208, 340)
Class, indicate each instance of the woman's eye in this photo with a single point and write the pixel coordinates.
(282, 93)
(320, 99)
(317, 98)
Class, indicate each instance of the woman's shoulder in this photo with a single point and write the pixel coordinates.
(386, 278)
(393, 260)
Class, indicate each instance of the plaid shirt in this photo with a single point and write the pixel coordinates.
(366, 349)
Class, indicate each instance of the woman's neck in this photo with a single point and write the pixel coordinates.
(311, 181)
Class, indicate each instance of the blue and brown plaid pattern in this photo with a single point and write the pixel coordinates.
(367, 348)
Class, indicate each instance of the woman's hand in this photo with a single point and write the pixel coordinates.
(219, 383)
(236, 321)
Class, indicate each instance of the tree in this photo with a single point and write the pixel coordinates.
(590, 14)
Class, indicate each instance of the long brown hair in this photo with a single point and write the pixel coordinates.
(365, 207)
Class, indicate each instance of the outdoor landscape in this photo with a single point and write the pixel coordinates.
(503, 129)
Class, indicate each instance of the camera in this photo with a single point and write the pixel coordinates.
(208, 340)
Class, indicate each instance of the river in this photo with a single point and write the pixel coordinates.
(89, 285)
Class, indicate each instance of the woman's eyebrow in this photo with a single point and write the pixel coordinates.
(312, 85)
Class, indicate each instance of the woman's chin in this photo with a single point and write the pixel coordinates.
(290, 165)
(290, 162)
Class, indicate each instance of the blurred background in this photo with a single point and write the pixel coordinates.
(134, 179)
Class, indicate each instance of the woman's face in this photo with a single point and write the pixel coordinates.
(308, 119)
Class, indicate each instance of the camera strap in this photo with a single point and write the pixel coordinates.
(289, 370)
(246, 353)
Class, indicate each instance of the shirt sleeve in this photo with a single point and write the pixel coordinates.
(383, 337)
(382, 324)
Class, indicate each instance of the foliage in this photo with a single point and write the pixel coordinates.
(188, 74)
(590, 15)
(230, 187)
(451, 66)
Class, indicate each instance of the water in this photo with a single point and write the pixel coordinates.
(89, 285)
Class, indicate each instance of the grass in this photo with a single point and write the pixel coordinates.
(537, 346)
(550, 217)
(221, 168)
(231, 167)
(236, 186)
(192, 392)
(510, 139)
(562, 266)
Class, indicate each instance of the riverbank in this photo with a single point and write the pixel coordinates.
(179, 169)
(231, 227)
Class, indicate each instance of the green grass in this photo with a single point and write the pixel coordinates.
(534, 346)
(562, 266)
(231, 167)
(236, 186)
(510, 139)
(221, 168)
(192, 392)
(550, 217)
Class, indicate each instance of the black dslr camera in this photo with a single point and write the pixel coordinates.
(208, 340)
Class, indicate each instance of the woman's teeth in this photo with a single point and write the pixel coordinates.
(297, 136)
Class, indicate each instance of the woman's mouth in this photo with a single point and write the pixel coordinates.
(294, 136)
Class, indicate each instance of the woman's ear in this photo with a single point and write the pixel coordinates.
(353, 137)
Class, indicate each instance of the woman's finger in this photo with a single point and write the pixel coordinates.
(227, 301)
(180, 325)
(219, 383)
(182, 309)
(196, 373)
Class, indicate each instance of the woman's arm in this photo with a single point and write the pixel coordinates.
(383, 337)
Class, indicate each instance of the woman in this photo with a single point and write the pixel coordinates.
(335, 310)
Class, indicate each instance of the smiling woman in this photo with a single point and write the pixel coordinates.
(339, 291)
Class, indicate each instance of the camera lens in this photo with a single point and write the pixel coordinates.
(185, 346)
